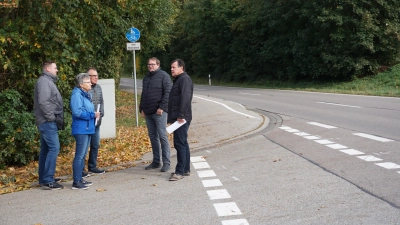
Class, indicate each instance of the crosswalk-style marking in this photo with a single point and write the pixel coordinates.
(211, 183)
(321, 125)
(227, 209)
(352, 152)
(369, 158)
(218, 194)
(388, 165)
(372, 137)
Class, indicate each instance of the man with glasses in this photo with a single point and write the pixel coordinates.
(96, 94)
(153, 107)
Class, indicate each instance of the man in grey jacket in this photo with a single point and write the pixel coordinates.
(49, 117)
(153, 107)
(97, 100)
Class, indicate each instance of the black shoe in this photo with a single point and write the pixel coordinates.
(79, 185)
(84, 174)
(86, 183)
(165, 167)
(52, 186)
(153, 165)
(96, 171)
(57, 180)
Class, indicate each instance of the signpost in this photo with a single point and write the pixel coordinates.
(133, 35)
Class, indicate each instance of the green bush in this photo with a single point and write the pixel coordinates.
(18, 132)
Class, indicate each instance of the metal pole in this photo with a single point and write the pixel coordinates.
(209, 79)
(136, 102)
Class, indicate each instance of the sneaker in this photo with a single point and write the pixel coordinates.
(96, 171)
(87, 183)
(165, 167)
(175, 177)
(84, 174)
(52, 186)
(79, 185)
(153, 165)
(57, 180)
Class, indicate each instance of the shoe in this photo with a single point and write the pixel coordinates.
(186, 174)
(153, 165)
(87, 183)
(165, 167)
(84, 174)
(52, 186)
(175, 177)
(96, 171)
(79, 185)
(57, 180)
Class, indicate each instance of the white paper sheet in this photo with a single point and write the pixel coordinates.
(171, 128)
(98, 110)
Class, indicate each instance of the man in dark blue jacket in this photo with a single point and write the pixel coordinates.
(180, 109)
(154, 108)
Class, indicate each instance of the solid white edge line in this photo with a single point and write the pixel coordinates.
(227, 107)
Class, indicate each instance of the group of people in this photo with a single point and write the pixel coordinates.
(162, 101)
(165, 102)
(87, 106)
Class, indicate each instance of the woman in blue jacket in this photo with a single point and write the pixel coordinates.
(83, 125)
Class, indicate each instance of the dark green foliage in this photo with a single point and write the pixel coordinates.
(18, 132)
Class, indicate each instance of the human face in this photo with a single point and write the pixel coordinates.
(86, 85)
(93, 76)
(176, 70)
(152, 65)
(52, 69)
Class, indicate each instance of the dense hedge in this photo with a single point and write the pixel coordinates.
(246, 40)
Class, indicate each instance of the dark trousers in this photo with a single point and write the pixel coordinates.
(182, 149)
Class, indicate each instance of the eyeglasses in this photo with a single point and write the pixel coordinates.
(151, 64)
(93, 75)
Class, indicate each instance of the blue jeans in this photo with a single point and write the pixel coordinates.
(182, 149)
(156, 127)
(49, 149)
(94, 149)
(82, 145)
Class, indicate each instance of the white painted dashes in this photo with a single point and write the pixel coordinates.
(344, 149)
(329, 103)
(225, 208)
(376, 138)
(322, 125)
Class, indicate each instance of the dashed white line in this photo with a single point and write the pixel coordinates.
(227, 209)
(201, 165)
(211, 183)
(389, 165)
(218, 194)
(321, 125)
(324, 141)
(336, 146)
(206, 173)
(235, 222)
(301, 134)
(235, 178)
(369, 158)
(352, 152)
(292, 130)
(311, 137)
(243, 93)
(376, 138)
(329, 103)
(197, 159)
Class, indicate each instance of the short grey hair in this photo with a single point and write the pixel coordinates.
(80, 77)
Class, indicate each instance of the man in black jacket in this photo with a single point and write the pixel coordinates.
(180, 109)
(154, 108)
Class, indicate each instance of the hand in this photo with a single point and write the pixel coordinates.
(97, 114)
(159, 111)
(143, 115)
(181, 120)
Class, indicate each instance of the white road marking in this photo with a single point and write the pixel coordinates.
(324, 141)
(329, 103)
(285, 127)
(227, 209)
(352, 152)
(227, 107)
(322, 125)
(311, 137)
(292, 130)
(212, 183)
(369, 136)
(369, 158)
(235, 178)
(206, 173)
(243, 93)
(302, 134)
(197, 159)
(201, 165)
(235, 222)
(389, 165)
(218, 194)
(336, 146)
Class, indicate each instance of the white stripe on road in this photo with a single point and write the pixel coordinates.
(336, 146)
(201, 165)
(311, 137)
(369, 136)
(247, 93)
(227, 209)
(206, 173)
(352, 152)
(227, 107)
(324, 141)
(301, 134)
(389, 165)
(235, 222)
(322, 125)
(212, 183)
(329, 103)
(292, 130)
(197, 159)
(218, 194)
(369, 158)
